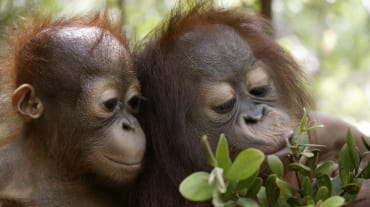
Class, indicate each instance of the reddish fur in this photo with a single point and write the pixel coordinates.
(23, 35)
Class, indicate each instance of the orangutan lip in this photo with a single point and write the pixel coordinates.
(283, 150)
(129, 165)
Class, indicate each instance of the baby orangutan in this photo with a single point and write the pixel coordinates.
(77, 94)
(209, 71)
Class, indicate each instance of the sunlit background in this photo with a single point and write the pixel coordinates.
(329, 38)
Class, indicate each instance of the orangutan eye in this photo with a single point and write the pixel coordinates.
(135, 102)
(260, 91)
(111, 104)
(225, 107)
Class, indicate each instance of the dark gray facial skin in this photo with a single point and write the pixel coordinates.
(236, 95)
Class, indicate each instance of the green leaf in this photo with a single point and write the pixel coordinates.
(315, 127)
(322, 193)
(349, 198)
(229, 204)
(208, 151)
(325, 181)
(302, 141)
(218, 201)
(196, 187)
(282, 201)
(246, 202)
(312, 145)
(336, 185)
(299, 167)
(293, 149)
(307, 188)
(309, 205)
(293, 201)
(353, 150)
(352, 188)
(303, 123)
(246, 164)
(262, 197)
(366, 171)
(255, 187)
(286, 188)
(230, 191)
(324, 168)
(243, 192)
(312, 162)
(365, 142)
(222, 154)
(346, 166)
(272, 190)
(309, 201)
(334, 201)
(275, 165)
(247, 183)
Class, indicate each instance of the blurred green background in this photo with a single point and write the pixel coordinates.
(329, 38)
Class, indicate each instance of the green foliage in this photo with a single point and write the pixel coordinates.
(222, 154)
(240, 171)
(341, 47)
(275, 165)
(340, 44)
(209, 154)
(237, 182)
(332, 201)
(196, 187)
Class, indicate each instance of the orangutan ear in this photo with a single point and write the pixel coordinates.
(26, 102)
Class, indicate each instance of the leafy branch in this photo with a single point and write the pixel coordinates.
(237, 183)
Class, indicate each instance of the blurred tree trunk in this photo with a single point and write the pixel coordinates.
(266, 8)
